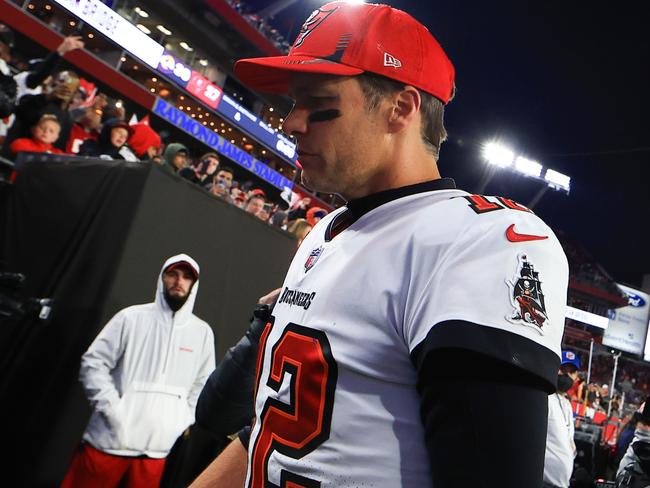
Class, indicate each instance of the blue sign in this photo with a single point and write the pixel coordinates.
(256, 128)
(634, 300)
(207, 136)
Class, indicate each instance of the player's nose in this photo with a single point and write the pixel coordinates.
(296, 122)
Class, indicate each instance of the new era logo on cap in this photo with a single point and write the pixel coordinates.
(390, 60)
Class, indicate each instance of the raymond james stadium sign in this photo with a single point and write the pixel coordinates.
(219, 144)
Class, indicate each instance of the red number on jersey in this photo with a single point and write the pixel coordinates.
(297, 428)
(480, 204)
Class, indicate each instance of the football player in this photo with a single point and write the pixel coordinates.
(417, 334)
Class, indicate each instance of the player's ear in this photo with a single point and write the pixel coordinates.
(404, 108)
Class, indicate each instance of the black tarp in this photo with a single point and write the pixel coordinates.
(92, 235)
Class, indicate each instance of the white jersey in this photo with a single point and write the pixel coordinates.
(336, 403)
(560, 446)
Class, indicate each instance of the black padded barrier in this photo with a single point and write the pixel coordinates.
(93, 234)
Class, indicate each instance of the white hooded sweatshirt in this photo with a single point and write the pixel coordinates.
(143, 374)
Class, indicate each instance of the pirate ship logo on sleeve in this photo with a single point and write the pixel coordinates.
(526, 297)
(313, 257)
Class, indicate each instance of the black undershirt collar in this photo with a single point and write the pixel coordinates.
(357, 208)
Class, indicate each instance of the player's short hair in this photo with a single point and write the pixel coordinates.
(375, 87)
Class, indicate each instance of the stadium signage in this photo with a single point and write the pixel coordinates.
(634, 300)
(587, 317)
(628, 326)
(207, 136)
(116, 28)
(256, 128)
(129, 37)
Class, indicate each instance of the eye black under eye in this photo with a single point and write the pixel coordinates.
(324, 115)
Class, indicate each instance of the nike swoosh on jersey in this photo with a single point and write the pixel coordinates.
(513, 236)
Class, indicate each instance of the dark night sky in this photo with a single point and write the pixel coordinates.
(564, 82)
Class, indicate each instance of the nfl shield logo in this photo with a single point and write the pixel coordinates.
(313, 257)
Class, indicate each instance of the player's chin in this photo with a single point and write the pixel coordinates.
(316, 181)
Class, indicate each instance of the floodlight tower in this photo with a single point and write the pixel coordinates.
(501, 157)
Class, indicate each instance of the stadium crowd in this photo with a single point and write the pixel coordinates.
(49, 110)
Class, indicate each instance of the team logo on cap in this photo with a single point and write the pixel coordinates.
(314, 20)
(390, 60)
(526, 297)
(313, 257)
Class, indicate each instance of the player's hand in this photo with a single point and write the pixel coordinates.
(70, 43)
(270, 298)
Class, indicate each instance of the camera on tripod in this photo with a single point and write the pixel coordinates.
(15, 306)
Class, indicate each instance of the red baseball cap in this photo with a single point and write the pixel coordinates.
(346, 39)
(184, 265)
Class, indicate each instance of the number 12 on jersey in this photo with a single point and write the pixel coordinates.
(296, 428)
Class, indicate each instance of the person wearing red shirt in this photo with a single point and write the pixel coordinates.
(44, 134)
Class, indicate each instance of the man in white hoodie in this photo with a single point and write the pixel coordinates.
(143, 375)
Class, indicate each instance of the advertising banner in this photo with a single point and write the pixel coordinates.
(116, 28)
(187, 124)
(628, 326)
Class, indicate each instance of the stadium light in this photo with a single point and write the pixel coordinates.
(528, 167)
(143, 28)
(141, 13)
(498, 155)
(164, 30)
(557, 180)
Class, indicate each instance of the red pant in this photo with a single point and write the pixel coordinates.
(96, 469)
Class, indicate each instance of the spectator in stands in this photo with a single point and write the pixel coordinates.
(299, 209)
(44, 133)
(238, 197)
(87, 125)
(145, 141)
(175, 156)
(560, 446)
(222, 183)
(111, 143)
(255, 205)
(314, 214)
(55, 100)
(114, 109)
(7, 83)
(202, 172)
(634, 469)
(280, 219)
(143, 375)
(299, 228)
(31, 80)
(626, 435)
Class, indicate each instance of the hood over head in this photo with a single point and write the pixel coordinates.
(171, 150)
(143, 138)
(186, 310)
(108, 126)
